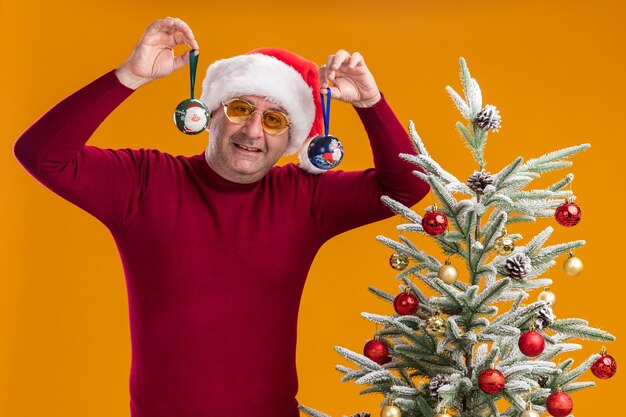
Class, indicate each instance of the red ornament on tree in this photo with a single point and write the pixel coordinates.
(491, 380)
(434, 222)
(567, 214)
(531, 343)
(406, 303)
(605, 366)
(559, 404)
(377, 351)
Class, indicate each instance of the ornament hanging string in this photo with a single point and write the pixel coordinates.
(191, 115)
(325, 151)
(326, 110)
(193, 65)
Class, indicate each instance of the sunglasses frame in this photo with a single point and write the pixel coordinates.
(255, 109)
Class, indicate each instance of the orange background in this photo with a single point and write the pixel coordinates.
(554, 69)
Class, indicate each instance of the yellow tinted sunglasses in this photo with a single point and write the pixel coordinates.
(240, 111)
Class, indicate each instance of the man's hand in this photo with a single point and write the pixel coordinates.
(153, 57)
(352, 80)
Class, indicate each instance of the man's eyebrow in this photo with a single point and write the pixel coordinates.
(277, 108)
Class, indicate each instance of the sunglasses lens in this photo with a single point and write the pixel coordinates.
(238, 111)
(275, 122)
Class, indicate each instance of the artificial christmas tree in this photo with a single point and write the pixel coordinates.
(479, 358)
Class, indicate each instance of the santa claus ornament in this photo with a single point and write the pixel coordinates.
(191, 116)
(325, 151)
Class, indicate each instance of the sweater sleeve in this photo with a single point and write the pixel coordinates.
(344, 200)
(107, 183)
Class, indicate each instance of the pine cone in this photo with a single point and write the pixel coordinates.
(437, 382)
(543, 381)
(545, 318)
(479, 180)
(361, 415)
(488, 118)
(517, 266)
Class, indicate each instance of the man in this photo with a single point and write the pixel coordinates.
(216, 247)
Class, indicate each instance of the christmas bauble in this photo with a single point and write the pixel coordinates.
(559, 404)
(435, 325)
(406, 303)
(531, 343)
(434, 222)
(572, 266)
(325, 152)
(377, 351)
(443, 413)
(398, 261)
(547, 296)
(504, 245)
(191, 116)
(529, 412)
(390, 411)
(567, 214)
(605, 366)
(448, 273)
(491, 381)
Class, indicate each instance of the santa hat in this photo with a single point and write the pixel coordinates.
(280, 76)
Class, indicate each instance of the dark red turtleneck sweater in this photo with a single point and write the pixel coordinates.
(214, 269)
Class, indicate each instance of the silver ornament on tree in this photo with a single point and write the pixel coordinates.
(572, 266)
(448, 273)
(504, 245)
(325, 151)
(191, 116)
(518, 266)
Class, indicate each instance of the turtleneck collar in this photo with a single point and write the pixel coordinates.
(216, 181)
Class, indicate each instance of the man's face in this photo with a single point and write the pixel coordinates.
(244, 153)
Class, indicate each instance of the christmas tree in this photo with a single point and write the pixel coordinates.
(456, 353)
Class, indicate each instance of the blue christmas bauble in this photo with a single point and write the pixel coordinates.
(191, 116)
(325, 152)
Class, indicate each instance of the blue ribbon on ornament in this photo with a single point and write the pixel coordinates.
(326, 110)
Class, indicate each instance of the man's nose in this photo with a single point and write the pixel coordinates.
(253, 127)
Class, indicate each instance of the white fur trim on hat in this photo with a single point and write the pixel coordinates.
(266, 77)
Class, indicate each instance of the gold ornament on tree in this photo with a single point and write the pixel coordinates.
(435, 325)
(529, 412)
(399, 261)
(390, 411)
(572, 266)
(448, 273)
(504, 245)
(443, 413)
(547, 296)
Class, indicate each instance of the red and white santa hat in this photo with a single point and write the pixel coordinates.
(280, 76)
